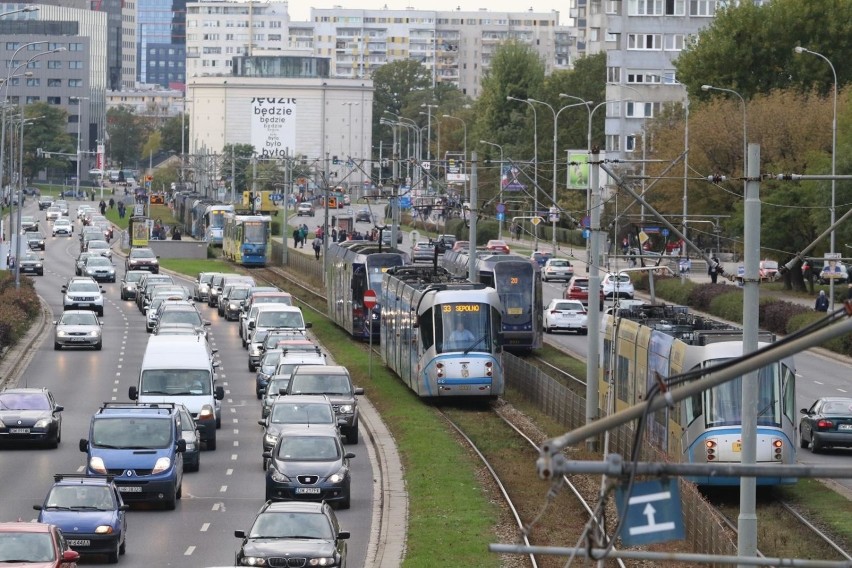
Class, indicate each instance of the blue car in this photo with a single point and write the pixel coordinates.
(90, 512)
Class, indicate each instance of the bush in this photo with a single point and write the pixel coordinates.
(18, 308)
(673, 290)
(775, 315)
(841, 344)
(728, 306)
(702, 295)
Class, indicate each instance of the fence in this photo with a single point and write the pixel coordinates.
(301, 263)
(704, 532)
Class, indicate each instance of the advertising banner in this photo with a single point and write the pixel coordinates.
(99, 162)
(578, 169)
(510, 179)
(273, 126)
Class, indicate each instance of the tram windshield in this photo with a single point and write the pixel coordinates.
(255, 232)
(513, 282)
(723, 404)
(377, 265)
(217, 219)
(463, 327)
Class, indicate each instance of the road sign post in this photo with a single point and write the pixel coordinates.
(653, 512)
(369, 304)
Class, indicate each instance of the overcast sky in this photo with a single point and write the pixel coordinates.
(300, 11)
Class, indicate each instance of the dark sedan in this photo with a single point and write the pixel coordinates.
(827, 423)
(35, 240)
(364, 215)
(302, 534)
(30, 415)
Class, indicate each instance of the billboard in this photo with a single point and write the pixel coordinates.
(273, 126)
(578, 169)
(510, 179)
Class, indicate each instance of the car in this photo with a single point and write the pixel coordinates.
(230, 300)
(141, 258)
(145, 288)
(30, 415)
(568, 315)
(461, 246)
(63, 206)
(274, 386)
(80, 263)
(826, 424)
(447, 240)
(35, 240)
(90, 512)
(129, 283)
(40, 545)
(306, 209)
(423, 251)
(90, 236)
(77, 328)
(189, 433)
(89, 230)
(290, 358)
(44, 202)
(289, 415)
(557, 269)
(578, 289)
(62, 227)
(53, 213)
(100, 268)
(29, 223)
(617, 286)
(83, 293)
(347, 199)
(201, 286)
(333, 381)
(540, 258)
(497, 246)
(309, 465)
(99, 246)
(82, 210)
(32, 263)
(364, 215)
(768, 270)
(308, 532)
(170, 313)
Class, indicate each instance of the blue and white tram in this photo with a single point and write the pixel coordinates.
(247, 239)
(441, 335)
(664, 341)
(353, 268)
(518, 283)
(214, 222)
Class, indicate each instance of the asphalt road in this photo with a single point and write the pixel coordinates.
(229, 489)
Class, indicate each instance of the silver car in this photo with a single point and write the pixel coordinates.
(557, 269)
(77, 328)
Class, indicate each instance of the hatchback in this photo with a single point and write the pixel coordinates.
(578, 289)
(423, 251)
(567, 315)
(617, 286)
(306, 209)
(497, 246)
(30, 415)
(35, 544)
(557, 269)
(77, 328)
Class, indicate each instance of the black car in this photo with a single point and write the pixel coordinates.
(29, 223)
(44, 202)
(142, 259)
(364, 215)
(827, 423)
(295, 534)
(30, 415)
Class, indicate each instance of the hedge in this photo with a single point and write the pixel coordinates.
(18, 308)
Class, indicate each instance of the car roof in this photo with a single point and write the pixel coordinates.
(24, 390)
(303, 399)
(325, 369)
(26, 527)
(292, 506)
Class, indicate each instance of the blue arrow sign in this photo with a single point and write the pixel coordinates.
(277, 197)
(665, 232)
(586, 233)
(500, 216)
(653, 512)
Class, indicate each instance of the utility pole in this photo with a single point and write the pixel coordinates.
(594, 319)
(474, 212)
(395, 194)
(253, 183)
(285, 225)
(233, 176)
(326, 194)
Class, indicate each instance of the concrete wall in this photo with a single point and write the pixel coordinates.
(179, 249)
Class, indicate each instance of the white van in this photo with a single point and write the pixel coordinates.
(180, 369)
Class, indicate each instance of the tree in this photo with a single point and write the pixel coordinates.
(127, 133)
(394, 83)
(152, 145)
(171, 136)
(241, 155)
(47, 132)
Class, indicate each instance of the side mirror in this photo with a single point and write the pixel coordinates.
(251, 325)
(803, 411)
(84, 445)
(349, 455)
(358, 390)
(55, 322)
(267, 455)
(64, 288)
(207, 323)
(308, 325)
(181, 446)
(58, 408)
(133, 393)
(37, 507)
(220, 393)
(262, 423)
(240, 534)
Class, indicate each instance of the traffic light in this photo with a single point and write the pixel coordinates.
(334, 160)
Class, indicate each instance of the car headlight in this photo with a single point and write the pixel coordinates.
(347, 408)
(93, 334)
(233, 306)
(190, 446)
(96, 464)
(324, 561)
(253, 561)
(61, 334)
(163, 464)
(270, 438)
(278, 476)
(38, 265)
(43, 423)
(337, 477)
(254, 350)
(103, 529)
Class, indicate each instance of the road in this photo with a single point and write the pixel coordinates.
(228, 491)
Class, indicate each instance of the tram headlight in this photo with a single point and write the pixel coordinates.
(778, 449)
(440, 369)
(710, 446)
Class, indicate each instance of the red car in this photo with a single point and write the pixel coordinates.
(578, 289)
(35, 545)
(498, 246)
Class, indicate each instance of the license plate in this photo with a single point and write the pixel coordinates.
(515, 311)
(129, 489)
(73, 543)
(307, 491)
(19, 430)
(84, 305)
(844, 427)
(737, 447)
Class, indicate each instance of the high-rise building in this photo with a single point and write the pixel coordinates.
(161, 42)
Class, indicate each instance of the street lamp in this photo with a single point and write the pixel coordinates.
(24, 9)
(800, 49)
(500, 222)
(429, 130)
(350, 105)
(79, 120)
(535, 162)
(706, 88)
(20, 198)
(464, 124)
(183, 145)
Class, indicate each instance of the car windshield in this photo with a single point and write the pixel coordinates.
(80, 497)
(295, 413)
(308, 448)
(285, 300)
(180, 316)
(206, 278)
(18, 548)
(84, 287)
(276, 384)
(98, 245)
(134, 276)
(84, 318)
(132, 433)
(560, 263)
(23, 401)
(142, 253)
(175, 382)
(31, 256)
(321, 384)
(98, 261)
(291, 525)
(280, 319)
(238, 294)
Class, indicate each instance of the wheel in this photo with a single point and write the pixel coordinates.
(171, 504)
(352, 434)
(547, 330)
(816, 447)
(122, 296)
(99, 345)
(112, 556)
(802, 442)
(54, 443)
(218, 422)
(251, 367)
(101, 312)
(346, 502)
(40, 273)
(211, 444)
(583, 332)
(265, 463)
(179, 492)
(544, 278)
(56, 346)
(122, 548)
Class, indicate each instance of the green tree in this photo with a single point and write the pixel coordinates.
(171, 135)
(127, 132)
(153, 144)
(45, 129)
(241, 155)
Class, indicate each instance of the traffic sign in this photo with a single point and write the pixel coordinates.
(535, 220)
(277, 197)
(653, 512)
(665, 232)
(500, 216)
(369, 299)
(501, 208)
(586, 233)
(586, 222)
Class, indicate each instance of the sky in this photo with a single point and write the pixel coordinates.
(300, 11)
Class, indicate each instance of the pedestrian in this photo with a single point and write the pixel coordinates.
(317, 246)
(821, 302)
(632, 259)
(297, 235)
(102, 206)
(111, 203)
(176, 236)
(713, 269)
(303, 236)
(341, 235)
(808, 274)
(334, 234)
(625, 245)
(517, 231)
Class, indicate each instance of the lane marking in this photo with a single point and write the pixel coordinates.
(216, 506)
(229, 472)
(204, 527)
(234, 457)
(189, 551)
(223, 489)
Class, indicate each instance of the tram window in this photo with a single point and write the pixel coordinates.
(621, 378)
(358, 282)
(515, 292)
(789, 388)
(463, 326)
(427, 335)
(255, 232)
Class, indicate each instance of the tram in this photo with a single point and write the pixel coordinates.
(644, 342)
(214, 222)
(246, 239)
(518, 283)
(353, 268)
(440, 334)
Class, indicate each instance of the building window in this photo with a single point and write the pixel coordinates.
(31, 100)
(613, 143)
(75, 65)
(644, 42)
(53, 64)
(54, 100)
(641, 77)
(675, 7)
(54, 82)
(12, 45)
(33, 82)
(639, 110)
(702, 8)
(644, 7)
(629, 143)
(35, 47)
(75, 82)
(73, 118)
(34, 65)
(75, 47)
(14, 81)
(613, 74)
(674, 42)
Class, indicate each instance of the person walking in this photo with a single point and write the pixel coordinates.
(317, 244)
(821, 302)
(713, 269)
(102, 206)
(297, 234)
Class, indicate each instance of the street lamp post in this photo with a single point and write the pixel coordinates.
(706, 88)
(800, 49)
(464, 124)
(183, 145)
(500, 222)
(535, 162)
(429, 129)
(24, 9)
(79, 120)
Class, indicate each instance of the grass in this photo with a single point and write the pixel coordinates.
(192, 266)
(560, 360)
(818, 502)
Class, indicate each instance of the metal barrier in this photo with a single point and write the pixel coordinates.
(301, 263)
(704, 533)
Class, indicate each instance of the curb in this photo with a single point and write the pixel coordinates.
(17, 358)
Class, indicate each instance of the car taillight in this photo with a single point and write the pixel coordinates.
(824, 424)
(554, 312)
